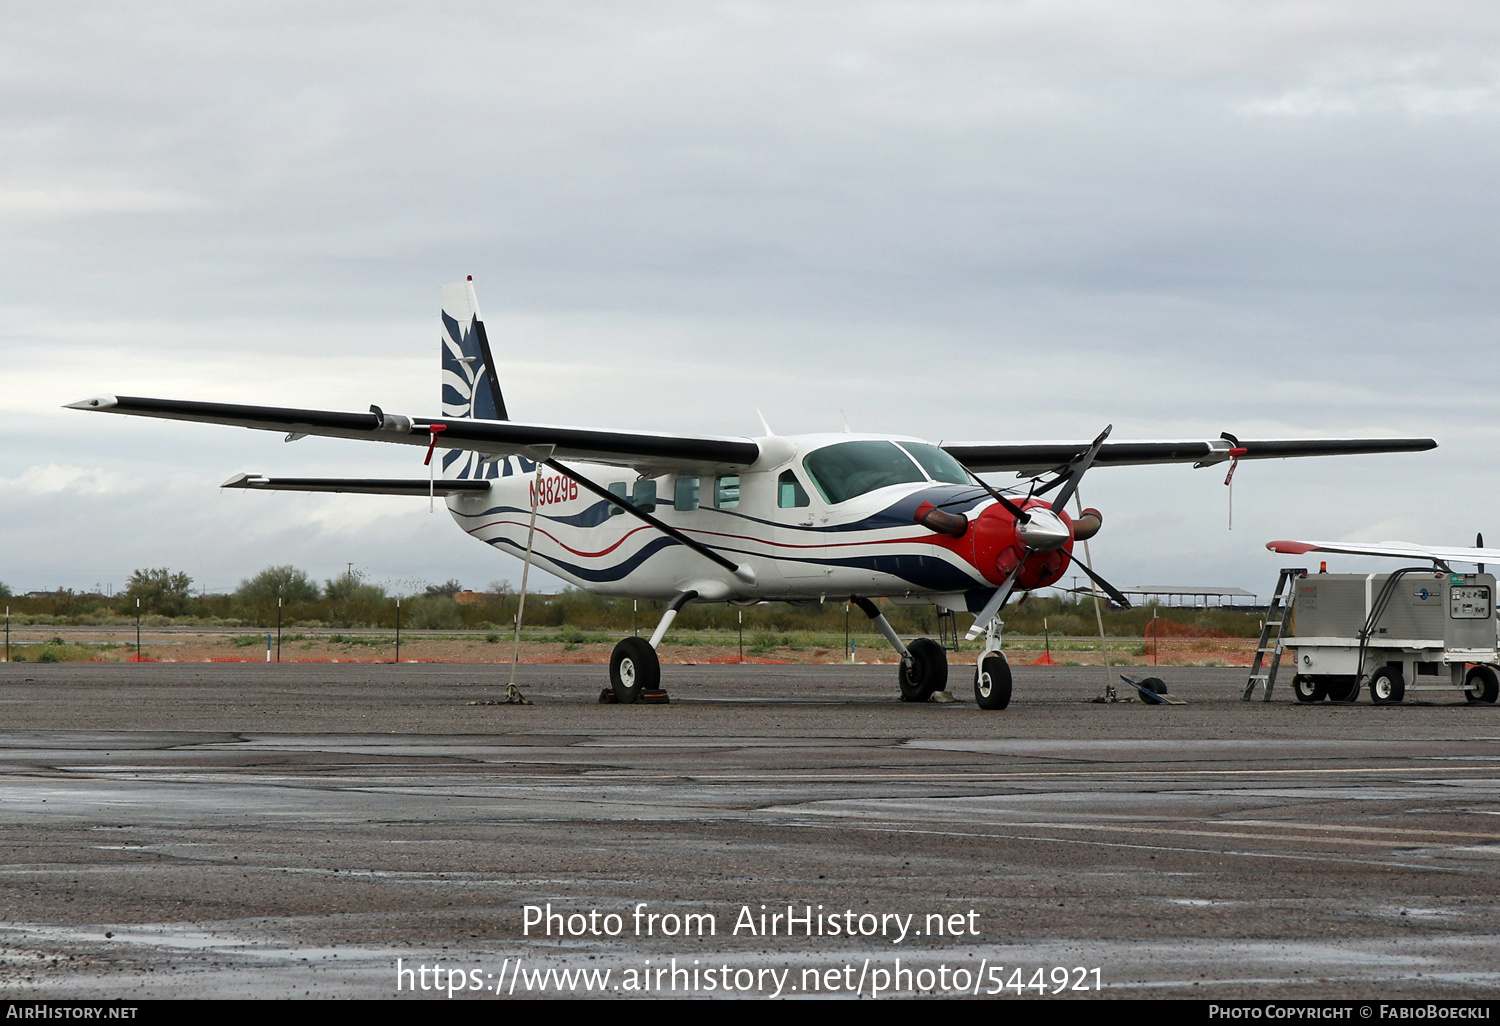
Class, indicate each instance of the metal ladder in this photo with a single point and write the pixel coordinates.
(947, 629)
(1273, 633)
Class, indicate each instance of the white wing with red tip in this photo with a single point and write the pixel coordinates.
(1391, 549)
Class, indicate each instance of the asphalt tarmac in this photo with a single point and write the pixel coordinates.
(185, 830)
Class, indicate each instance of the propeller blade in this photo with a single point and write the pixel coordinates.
(1014, 510)
(1109, 589)
(992, 607)
(1061, 502)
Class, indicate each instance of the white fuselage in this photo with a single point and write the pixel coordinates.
(796, 544)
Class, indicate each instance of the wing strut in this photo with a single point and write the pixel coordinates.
(744, 573)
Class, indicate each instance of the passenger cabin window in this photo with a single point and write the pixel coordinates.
(789, 491)
(644, 496)
(727, 492)
(849, 469)
(938, 464)
(617, 488)
(686, 495)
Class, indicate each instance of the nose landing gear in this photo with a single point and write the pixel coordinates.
(992, 681)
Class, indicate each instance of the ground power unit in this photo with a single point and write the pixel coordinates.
(1409, 630)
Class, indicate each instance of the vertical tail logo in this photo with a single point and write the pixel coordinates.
(470, 383)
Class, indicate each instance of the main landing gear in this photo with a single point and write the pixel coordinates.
(634, 669)
(924, 665)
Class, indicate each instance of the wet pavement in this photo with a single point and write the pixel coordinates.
(250, 830)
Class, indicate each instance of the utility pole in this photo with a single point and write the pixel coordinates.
(398, 629)
(137, 630)
(278, 628)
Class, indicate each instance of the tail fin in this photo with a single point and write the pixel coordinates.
(471, 385)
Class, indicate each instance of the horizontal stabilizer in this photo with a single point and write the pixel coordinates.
(1391, 549)
(365, 485)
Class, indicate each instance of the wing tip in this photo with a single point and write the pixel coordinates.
(1290, 548)
(94, 402)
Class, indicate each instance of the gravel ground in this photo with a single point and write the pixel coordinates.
(175, 830)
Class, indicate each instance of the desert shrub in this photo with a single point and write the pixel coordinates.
(284, 582)
(430, 613)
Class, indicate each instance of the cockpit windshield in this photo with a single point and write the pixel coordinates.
(938, 464)
(847, 469)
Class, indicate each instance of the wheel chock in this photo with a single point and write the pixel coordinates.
(655, 698)
(1151, 696)
(608, 697)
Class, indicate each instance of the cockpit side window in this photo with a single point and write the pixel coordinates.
(848, 469)
(789, 491)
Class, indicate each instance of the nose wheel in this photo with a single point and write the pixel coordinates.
(992, 681)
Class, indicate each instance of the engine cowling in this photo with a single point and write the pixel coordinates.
(999, 543)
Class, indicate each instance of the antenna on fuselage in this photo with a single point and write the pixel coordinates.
(845, 418)
(763, 423)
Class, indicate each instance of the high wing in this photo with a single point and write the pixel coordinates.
(357, 485)
(1393, 549)
(1027, 458)
(648, 452)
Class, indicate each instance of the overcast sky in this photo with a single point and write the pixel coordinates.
(961, 221)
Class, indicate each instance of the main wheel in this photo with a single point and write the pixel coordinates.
(1342, 688)
(1387, 686)
(633, 668)
(992, 681)
(1156, 686)
(1309, 689)
(1482, 684)
(925, 672)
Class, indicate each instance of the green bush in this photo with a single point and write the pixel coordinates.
(430, 613)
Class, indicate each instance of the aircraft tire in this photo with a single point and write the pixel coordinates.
(925, 672)
(1308, 688)
(1387, 686)
(992, 682)
(1482, 685)
(633, 669)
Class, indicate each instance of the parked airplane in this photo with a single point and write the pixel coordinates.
(702, 518)
(1440, 555)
